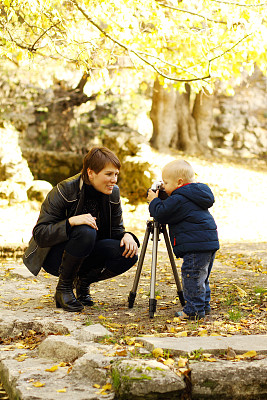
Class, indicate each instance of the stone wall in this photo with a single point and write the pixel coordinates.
(52, 166)
(240, 121)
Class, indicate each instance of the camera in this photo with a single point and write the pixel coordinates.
(158, 185)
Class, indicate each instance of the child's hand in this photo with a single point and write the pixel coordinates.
(152, 195)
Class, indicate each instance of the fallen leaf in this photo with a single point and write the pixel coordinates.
(182, 362)
(248, 354)
(203, 332)
(63, 364)
(52, 369)
(38, 384)
(168, 362)
(107, 386)
(61, 390)
(181, 334)
(158, 352)
(241, 292)
(121, 352)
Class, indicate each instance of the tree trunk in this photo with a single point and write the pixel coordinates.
(202, 114)
(163, 116)
(54, 122)
(174, 125)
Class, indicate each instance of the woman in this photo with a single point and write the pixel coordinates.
(79, 235)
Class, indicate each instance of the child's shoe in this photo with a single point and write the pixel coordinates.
(184, 316)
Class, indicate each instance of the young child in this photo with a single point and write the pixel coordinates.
(193, 232)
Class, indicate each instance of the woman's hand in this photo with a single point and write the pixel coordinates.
(83, 219)
(151, 195)
(130, 244)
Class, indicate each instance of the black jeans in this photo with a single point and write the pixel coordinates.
(83, 243)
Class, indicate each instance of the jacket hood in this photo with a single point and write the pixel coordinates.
(199, 193)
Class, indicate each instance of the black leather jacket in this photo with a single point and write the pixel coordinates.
(62, 202)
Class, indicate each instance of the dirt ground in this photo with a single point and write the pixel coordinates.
(238, 280)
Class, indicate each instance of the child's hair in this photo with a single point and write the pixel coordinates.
(96, 159)
(180, 169)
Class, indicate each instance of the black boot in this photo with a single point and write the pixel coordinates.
(84, 281)
(83, 292)
(64, 291)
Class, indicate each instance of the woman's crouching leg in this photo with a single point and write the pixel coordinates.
(106, 261)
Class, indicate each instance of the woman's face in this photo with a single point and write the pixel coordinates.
(105, 180)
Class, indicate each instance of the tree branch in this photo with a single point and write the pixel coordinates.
(136, 53)
(230, 48)
(190, 12)
(230, 3)
(40, 37)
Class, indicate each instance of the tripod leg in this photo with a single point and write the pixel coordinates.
(174, 268)
(152, 300)
(132, 294)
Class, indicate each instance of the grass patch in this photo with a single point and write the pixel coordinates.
(235, 315)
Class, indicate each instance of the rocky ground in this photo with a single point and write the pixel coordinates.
(238, 280)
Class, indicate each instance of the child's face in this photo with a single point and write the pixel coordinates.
(170, 184)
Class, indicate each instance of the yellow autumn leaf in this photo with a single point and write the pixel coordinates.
(181, 334)
(63, 364)
(52, 369)
(96, 386)
(182, 362)
(121, 352)
(168, 362)
(241, 292)
(101, 317)
(61, 390)
(203, 332)
(158, 352)
(158, 297)
(218, 323)
(20, 346)
(248, 354)
(21, 357)
(38, 384)
(183, 370)
(176, 319)
(107, 386)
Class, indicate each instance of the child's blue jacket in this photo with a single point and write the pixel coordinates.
(191, 226)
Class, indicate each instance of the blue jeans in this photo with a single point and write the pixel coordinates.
(83, 243)
(196, 270)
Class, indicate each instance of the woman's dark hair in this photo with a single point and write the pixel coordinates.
(96, 159)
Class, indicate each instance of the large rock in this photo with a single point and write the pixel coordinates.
(12, 165)
(65, 349)
(142, 379)
(13, 192)
(15, 175)
(39, 190)
(243, 380)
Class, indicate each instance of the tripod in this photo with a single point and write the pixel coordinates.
(155, 228)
